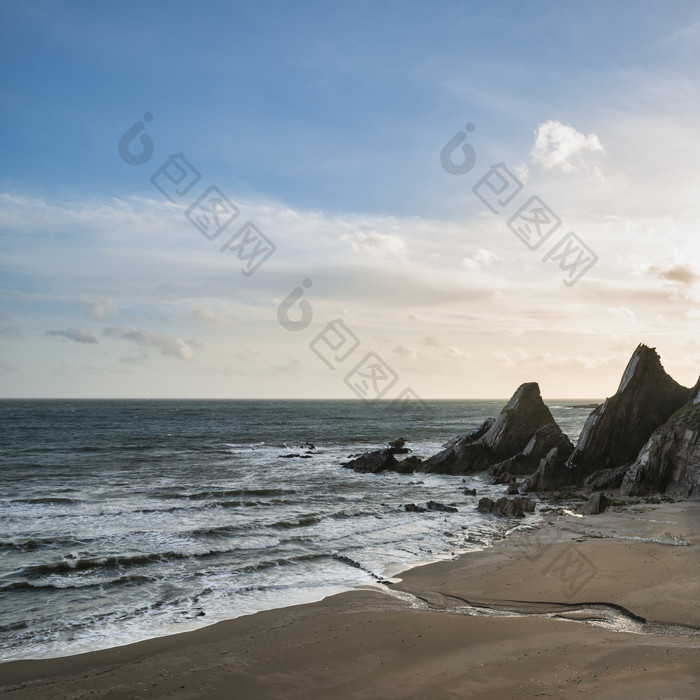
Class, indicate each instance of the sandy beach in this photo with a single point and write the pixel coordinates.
(604, 606)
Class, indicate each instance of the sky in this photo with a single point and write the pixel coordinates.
(372, 200)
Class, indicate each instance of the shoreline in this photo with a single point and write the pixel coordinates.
(573, 606)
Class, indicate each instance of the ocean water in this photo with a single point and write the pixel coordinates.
(125, 520)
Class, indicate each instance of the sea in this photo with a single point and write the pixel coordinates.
(123, 520)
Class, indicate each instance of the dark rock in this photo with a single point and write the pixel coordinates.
(507, 508)
(505, 437)
(413, 508)
(474, 434)
(616, 431)
(408, 465)
(373, 462)
(469, 492)
(527, 461)
(669, 462)
(504, 478)
(552, 474)
(441, 507)
(606, 479)
(513, 489)
(597, 503)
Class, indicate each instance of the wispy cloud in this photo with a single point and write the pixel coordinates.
(164, 343)
(675, 273)
(77, 335)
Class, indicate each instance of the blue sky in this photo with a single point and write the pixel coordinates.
(324, 123)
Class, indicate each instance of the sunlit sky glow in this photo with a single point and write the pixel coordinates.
(324, 123)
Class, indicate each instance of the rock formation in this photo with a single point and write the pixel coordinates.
(616, 430)
(644, 439)
(507, 507)
(500, 439)
(669, 462)
(541, 443)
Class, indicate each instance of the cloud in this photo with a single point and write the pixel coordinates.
(376, 245)
(623, 312)
(559, 146)
(97, 309)
(675, 273)
(482, 258)
(209, 317)
(403, 351)
(78, 335)
(166, 344)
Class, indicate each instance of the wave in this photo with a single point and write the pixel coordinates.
(228, 493)
(106, 563)
(304, 521)
(46, 499)
(136, 579)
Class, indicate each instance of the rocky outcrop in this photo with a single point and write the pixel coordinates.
(597, 503)
(551, 474)
(606, 479)
(507, 507)
(383, 460)
(669, 462)
(540, 444)
(616, 430)
(505, 437)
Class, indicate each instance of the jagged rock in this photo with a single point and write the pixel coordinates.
(373, 462)
(597, 503)
(527, 461)
(383, 460)
(513, 488)
(469, 492)
(669, 463)
(472, 434)
(506, 507)
(606, 479)
(505, 437)
(408, 465)
(616, 430)
(551, 474)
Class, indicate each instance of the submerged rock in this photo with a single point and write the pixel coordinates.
(497, 440)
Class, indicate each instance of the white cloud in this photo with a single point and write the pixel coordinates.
(560, 146)
(166, 344)
(77, 335)
(482, 258)
(376, 245)
(210, 317)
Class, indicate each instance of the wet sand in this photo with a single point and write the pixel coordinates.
(584, 607)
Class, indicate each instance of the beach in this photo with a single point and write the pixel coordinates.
(604, 606)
